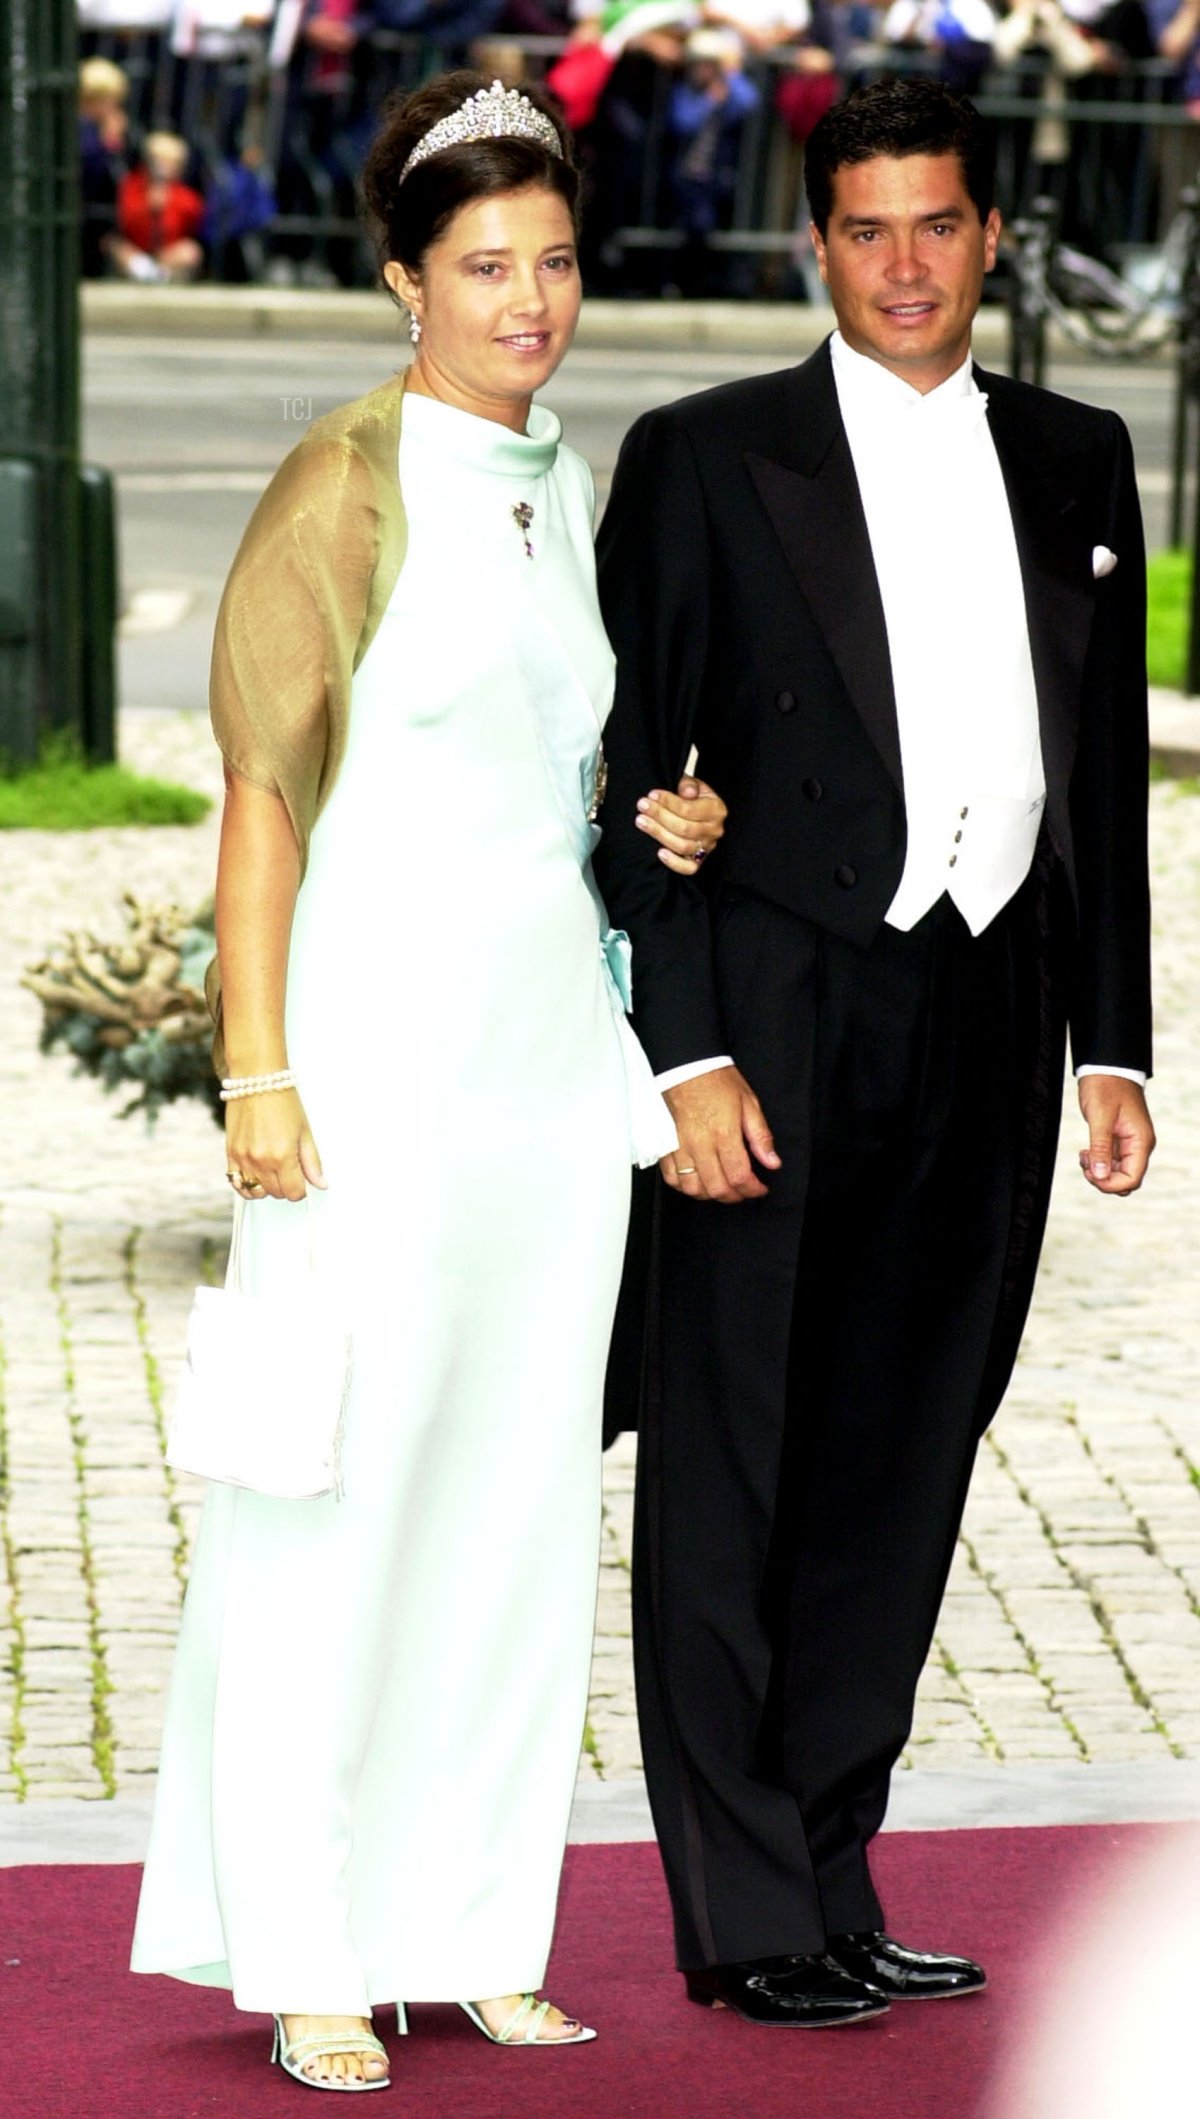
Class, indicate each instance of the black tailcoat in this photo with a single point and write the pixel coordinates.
(739, 591)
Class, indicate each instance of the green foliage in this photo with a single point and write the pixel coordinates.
(132, 1012)
(62, 792)
(160, 1072)
(1169, 582)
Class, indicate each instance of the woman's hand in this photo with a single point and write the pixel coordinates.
(687, 824)
(270, 1148)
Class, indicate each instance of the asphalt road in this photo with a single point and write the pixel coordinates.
(194, 427)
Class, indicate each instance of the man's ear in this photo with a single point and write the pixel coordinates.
(818, 243)
(991, 238)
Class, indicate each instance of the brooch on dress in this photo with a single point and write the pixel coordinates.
(522, 515)
(600, 788)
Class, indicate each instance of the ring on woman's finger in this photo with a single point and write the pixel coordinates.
(699, 853)
(685, 1169)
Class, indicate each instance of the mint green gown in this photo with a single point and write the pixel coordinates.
(375, 1718)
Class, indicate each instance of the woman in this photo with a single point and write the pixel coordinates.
(374, 1724)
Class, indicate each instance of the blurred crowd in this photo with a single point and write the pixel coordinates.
(224, 136)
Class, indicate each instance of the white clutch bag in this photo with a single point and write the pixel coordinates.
(261, 1401)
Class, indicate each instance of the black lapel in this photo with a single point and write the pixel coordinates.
(811, 495)
(1055, 569)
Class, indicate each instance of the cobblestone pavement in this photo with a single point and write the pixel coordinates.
(1071, 1630)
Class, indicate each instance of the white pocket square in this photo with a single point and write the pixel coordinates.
(1103, 561)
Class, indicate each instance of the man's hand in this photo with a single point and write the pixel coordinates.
(720, 1124)
(1120, 1134)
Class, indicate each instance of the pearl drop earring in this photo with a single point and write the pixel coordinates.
(414, 328)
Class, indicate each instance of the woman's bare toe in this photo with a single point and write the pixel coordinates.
(350, 2066)
(508, 2014)
(556, 2026)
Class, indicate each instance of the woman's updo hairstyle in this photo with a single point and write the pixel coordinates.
(411, 216)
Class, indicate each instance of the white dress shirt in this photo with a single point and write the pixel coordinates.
(953, 599)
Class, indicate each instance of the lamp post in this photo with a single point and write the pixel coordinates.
(55, 657)
(1034, 237)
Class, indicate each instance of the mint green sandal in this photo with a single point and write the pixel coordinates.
(524, 2025)
(294, 2055)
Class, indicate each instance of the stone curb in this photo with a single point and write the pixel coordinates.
(1175, 734)
(1166, 1792)
(642, 326)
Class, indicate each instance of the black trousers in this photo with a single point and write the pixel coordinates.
(818, 1364)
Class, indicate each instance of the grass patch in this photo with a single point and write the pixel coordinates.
(63, 793)
(1169, 586)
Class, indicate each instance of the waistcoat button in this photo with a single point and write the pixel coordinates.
(812, 789)
(785, 701)
(845, 876)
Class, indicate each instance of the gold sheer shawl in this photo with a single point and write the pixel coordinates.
(312, 578)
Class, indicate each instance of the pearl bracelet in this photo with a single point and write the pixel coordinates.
(235, 1085)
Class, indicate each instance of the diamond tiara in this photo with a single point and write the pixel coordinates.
(494, 113)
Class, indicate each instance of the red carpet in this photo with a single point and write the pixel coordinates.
(80, 2036)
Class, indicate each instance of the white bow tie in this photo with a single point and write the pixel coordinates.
(952, 416)
(963, 411)
(927, 422)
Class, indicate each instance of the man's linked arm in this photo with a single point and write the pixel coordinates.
(653, 565)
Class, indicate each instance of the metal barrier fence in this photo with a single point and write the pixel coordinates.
(1114, 151)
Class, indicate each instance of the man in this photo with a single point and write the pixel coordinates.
(898, 605)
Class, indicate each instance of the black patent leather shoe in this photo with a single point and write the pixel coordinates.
(809, 1993)
(903, 1974)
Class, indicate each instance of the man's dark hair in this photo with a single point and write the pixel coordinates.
(914, 116)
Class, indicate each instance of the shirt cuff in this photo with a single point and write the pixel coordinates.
(1127, 1074)
(689, 1072)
